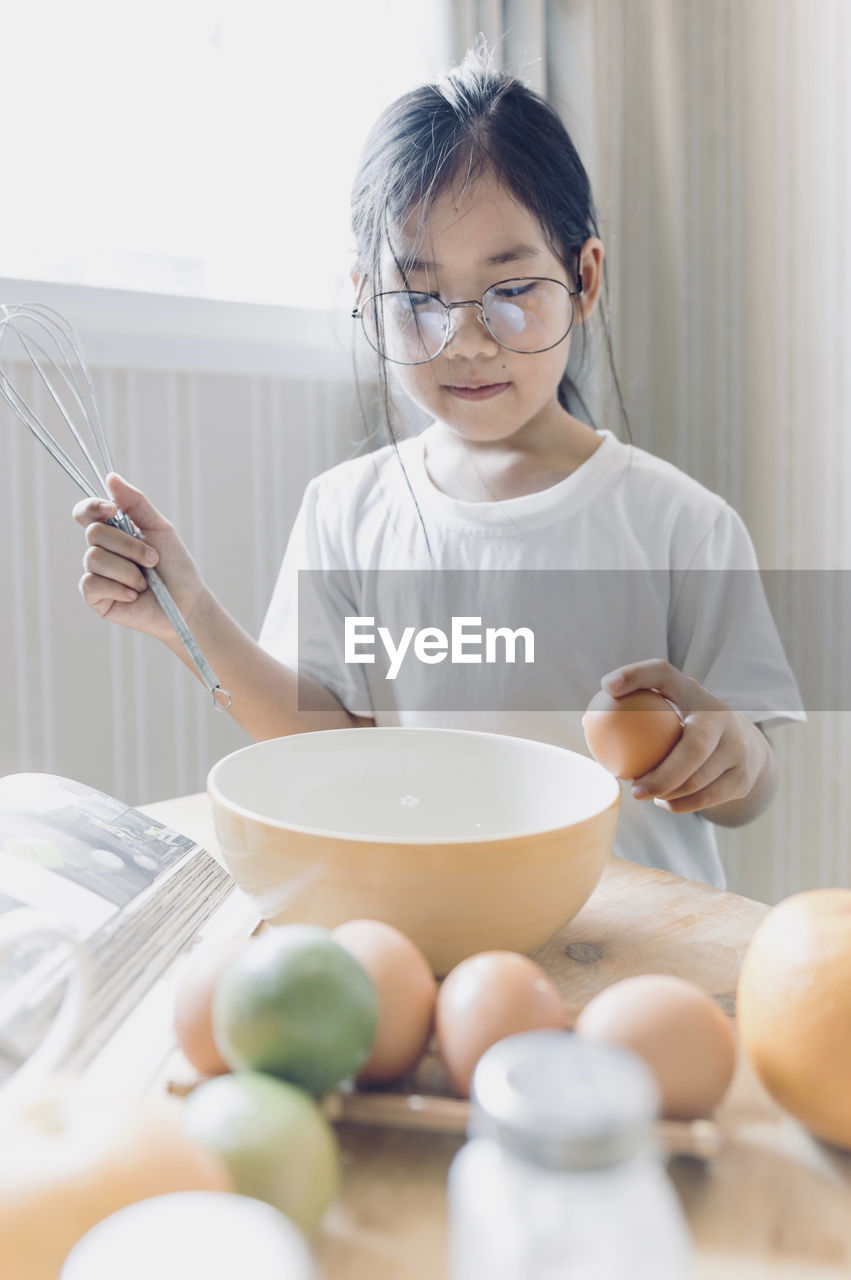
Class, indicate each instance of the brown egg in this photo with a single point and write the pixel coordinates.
(486, 998)
(629, 736)
(677, 1029)
(406, 990)
(193, 1002)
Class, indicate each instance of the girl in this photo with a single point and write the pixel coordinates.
(478, 263)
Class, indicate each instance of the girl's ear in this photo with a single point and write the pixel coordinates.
(591, 269)
(358, 281)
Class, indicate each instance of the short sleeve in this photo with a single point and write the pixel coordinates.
(309, 605)
(721, 631)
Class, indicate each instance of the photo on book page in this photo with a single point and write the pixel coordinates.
(63, 844)
(134, 892)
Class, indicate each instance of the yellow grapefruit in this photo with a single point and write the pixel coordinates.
(794, 1009)
(72, 1157)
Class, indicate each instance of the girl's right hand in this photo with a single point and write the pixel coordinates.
(113, 583)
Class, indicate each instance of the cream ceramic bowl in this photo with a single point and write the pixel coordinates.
(465, 841)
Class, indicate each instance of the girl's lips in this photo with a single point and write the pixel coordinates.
(478, 393)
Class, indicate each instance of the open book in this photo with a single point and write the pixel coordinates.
(135, 893)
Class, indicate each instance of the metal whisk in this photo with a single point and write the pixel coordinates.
(35, 335)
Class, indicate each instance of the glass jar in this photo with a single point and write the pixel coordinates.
(562, 1176)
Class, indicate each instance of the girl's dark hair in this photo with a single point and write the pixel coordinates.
(472, 121)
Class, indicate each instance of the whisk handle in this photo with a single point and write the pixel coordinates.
(187, 639)
(222, 700)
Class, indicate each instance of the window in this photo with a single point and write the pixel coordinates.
(198, 147)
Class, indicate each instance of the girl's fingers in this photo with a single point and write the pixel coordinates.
(655, 673)
(692, 754)
(725, 787)
(125, 498)
(697, 781)
(105, 564)
(121, 544)
(90, 509)
(134, 503)
(98, 591)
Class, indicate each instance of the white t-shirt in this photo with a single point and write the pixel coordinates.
(643, 562)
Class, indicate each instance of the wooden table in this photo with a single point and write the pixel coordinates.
(773, 1203)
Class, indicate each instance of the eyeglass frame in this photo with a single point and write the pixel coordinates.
(357, 314)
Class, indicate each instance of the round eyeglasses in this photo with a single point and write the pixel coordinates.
(527, 315)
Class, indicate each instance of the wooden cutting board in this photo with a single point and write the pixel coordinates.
(772, 1203)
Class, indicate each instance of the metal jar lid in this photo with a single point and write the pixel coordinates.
(563, 1102)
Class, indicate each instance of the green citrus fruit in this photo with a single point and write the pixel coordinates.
(296, 1004)
(273, 1140)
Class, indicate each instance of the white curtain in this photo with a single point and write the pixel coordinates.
(717, 135)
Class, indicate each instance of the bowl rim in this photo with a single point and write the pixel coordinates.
(215, 794)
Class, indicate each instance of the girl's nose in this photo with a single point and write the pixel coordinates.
(468, 334)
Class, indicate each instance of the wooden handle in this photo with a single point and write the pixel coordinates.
(398, 1111)
(700, 1139)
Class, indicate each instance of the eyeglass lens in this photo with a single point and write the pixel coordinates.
(525, 315)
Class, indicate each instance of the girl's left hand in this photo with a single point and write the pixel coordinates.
(719, 757)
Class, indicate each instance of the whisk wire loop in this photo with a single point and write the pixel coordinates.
(53, 352)
(42, 432)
